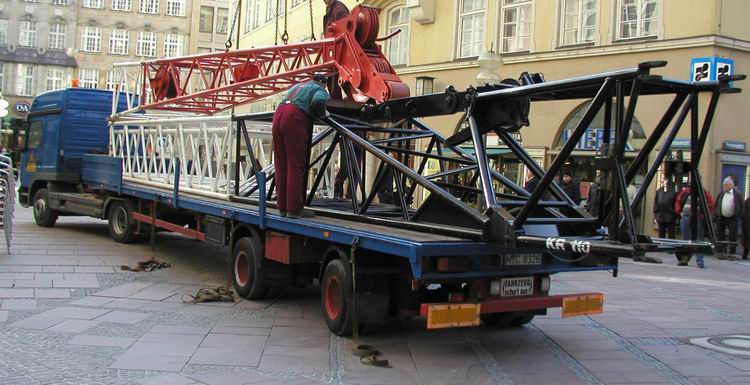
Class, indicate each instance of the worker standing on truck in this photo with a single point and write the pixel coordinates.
(292, 133)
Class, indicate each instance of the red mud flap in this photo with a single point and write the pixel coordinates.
(446, 315)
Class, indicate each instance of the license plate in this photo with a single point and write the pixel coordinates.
(516, 287)
(523, 259)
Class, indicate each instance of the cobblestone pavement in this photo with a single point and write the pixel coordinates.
(69, 315)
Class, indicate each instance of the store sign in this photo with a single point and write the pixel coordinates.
(22, 107)
(593, 139)
(733, 145)
(704, 69)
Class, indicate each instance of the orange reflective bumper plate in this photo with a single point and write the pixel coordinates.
(578, 305)
(452, 315)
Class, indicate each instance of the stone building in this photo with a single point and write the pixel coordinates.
(210, 25)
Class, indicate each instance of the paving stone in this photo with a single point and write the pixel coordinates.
(74, 326)
(92, 301)
(76, 284)
(38, 322)
(18, 304)
(124, 317)
(150, 362)
(6, 283)
(227, 356)
(94, 269)
(124, 290)
(127, 303)
(172, 348)
(164, 307)
(51, 293)
(238, 377)
(3, 316)
(57, 269)
(233, 341)
(117, 342)
(167, 379)
(319, 363)
(176, 329)
(172, 338)
(252, 322)
(205, 311)
(241, 330)
(75, 312)
(16, 293)
(20, 283)
(17, 276)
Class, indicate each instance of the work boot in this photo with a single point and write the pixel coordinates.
(301, 214)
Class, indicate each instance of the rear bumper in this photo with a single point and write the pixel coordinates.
(442, 315)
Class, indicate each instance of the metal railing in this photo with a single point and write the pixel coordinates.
(7, 198)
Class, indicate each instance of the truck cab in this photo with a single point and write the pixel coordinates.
(62, 127)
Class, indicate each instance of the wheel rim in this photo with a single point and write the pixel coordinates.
(333, 298)
(120, 220)
(40, 207)
(241, 271)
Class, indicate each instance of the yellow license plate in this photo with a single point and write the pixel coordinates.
(447, 316)
(583, 305)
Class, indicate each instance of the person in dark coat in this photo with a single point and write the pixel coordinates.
(292, 130)
(571, 188)
(664, 210)
(746, 230)
(682, 207)
(729, 207)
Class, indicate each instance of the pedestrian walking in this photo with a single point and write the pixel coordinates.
(292, 132)
(595, 192)
(664, 213)
(571, 188)
(683, 208)
(729, 206)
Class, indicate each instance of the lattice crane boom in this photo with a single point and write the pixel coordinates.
(214, 82)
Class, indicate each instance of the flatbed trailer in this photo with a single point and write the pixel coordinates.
(456, 265)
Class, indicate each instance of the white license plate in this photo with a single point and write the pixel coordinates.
(516, 287)
(523, 259)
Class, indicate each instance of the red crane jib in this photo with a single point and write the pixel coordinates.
(214, 82)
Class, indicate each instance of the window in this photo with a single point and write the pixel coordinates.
(251, 15)
(578, 21)
(3, 31)
(296, 3)
(34, 137)
(121, 5)
(638, 18)
(27, 38)
(89, 78)
(25, 80)
(55, 77)
(91, 39)
(2, 76)
(398, 46)
(176, 7)
(119, 42)
(271, 7)
(149, 6)
(173, 45)
(516, 28)
(146, 44)
(112, 81)
(57, 36)
(206, 23)
(59, 2)
(222, 20)
(472, 26)
(93, 4)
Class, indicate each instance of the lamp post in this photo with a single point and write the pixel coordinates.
(489, 63)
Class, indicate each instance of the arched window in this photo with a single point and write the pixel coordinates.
(398, 46)
(594, 135)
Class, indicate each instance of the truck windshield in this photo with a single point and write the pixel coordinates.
(34, 136)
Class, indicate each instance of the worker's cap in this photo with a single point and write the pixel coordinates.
(320, 78)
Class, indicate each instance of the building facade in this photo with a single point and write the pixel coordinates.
(210, 25)
(115, 31)
(562, 39)
(35, 38)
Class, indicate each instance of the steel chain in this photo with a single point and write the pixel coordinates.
(276, 40)
(312, 22)
(285, 35)
(228, 44)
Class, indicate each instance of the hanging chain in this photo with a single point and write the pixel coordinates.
(285, 35)
(276, 40)
(228, 44)
(312, 22)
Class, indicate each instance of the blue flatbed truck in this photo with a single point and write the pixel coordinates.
(66, 169)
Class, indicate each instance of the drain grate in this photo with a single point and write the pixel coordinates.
(736, 344)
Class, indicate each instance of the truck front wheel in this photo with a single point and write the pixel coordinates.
(122, 226)
(335, 290)
(43, 215)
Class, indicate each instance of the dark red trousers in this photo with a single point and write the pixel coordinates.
(291, 145)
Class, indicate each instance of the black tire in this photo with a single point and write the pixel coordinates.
(44, 216)
(335, 294)
(497, 320)
(248, 273)
(122, 227)
(522, 320)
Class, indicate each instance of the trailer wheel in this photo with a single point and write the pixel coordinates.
(248, 274)
(43, 215)
(335, 289)
(522, 320)
(121, 225)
